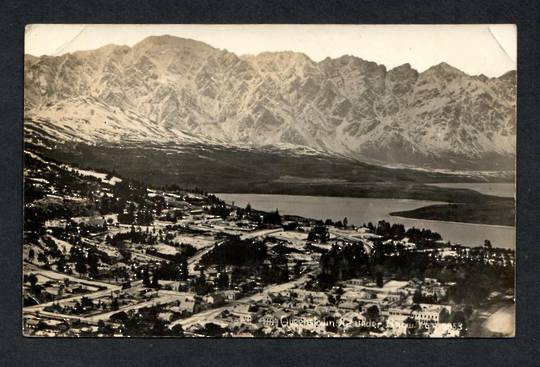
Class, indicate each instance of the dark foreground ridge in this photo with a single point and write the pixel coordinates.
(227, 170)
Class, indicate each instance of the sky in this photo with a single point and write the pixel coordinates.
(475, 49)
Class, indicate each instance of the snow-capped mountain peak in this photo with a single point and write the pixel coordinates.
(170, 89)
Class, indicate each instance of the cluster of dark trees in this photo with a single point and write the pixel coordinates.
(234, 251)
(66, 182)
(474, 279)
(142, 217)
(272, 218)
(339, 264)
(150, 279)
(143, 323)
(135, 235)
(398, 231)
(201, 286)
(475, 282)
(275, 272)
(176, 269)
(86, 262)
(318, 233)
(340, 223)
(220, 211)
(131, 202)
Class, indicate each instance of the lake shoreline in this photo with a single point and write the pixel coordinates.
(456, 222)
(361, 211)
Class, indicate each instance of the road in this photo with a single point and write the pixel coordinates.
(93, 295)
(61, 276)
(202, 316)
(208, 315)
(168, 298)
(368, 246)
(260, 233)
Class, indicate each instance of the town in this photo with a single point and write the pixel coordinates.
(107, 256)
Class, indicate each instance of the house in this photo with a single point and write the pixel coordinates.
(430, 314)
(311, 296)
(326, 309)
(394, 298)
(56, 223)
(187, 304)
(282, 316)
(93, 221)
(353, 295)
(230, 295)
(266, 299)
(347, 305)
(244, 317)
(399, 311)
(355, 282)
(214, 299)
(269, 320)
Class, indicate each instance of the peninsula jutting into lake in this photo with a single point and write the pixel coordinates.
(175, 188)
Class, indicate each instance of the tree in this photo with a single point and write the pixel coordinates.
(120, 317)
(345, 222)
(372, 313)
(155, 280)
(184, 271)
(273, 218)
(146, 278)
(297, 269)
(32, 279)
(177, 330)
(444, 316)
(158, 327)
(86, 302)
(487, 244)
(331, 299)
(61, 264)
(223, 281)
(80, 265)
(42, 258)
(213, 330)
(380, 279)
(92, 265)
(104, 328)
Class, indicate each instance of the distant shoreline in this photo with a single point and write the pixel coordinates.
(393, 214)
(455, 222)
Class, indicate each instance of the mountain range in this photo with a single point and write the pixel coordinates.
(169, 90)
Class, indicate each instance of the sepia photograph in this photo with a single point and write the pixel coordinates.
(269, 181)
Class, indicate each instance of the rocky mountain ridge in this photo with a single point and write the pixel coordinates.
(169, 89)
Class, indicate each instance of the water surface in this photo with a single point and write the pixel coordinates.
(363, 210)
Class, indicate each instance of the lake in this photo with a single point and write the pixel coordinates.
(496, 189)
(364, 210)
